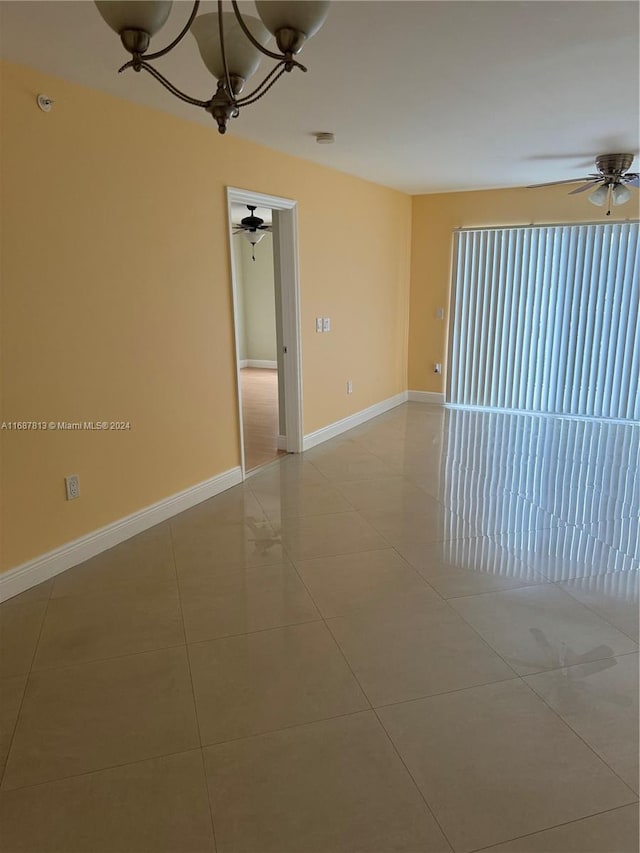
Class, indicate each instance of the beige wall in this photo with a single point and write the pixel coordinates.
(116, 301)
(434, 219)
(256, 290)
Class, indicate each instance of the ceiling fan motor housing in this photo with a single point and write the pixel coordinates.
(251, 222)
(613, 165)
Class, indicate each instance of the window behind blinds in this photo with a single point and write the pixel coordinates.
(546, 319)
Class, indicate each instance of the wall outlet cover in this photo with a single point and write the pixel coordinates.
(72, 486)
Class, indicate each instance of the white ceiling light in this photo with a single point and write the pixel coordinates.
(230, 46)
(620, 194)
(254, 238)
(600, 196)
(610, 194)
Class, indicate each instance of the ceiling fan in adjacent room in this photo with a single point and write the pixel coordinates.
(610, 183)
(253, 228)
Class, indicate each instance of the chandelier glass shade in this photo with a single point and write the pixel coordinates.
(242, 57)
(135, 15)
(231, 45)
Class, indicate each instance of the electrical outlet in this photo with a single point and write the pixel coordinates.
(326, 324)
(437, 368)
(318, 324)
(349, 386)
(72, 485)
(439, 313)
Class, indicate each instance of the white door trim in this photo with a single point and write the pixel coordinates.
(290, 287)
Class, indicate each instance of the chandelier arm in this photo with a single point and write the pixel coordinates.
(227, 78)
(178, 38)
(247, 102)
(251, 38)
(174, 91)
(264, 82)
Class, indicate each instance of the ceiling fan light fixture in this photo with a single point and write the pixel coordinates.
(621, 194)
(254, 237)
(600, 196)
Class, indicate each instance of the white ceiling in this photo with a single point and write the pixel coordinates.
(422, 96)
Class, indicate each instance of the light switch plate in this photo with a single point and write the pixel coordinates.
(318, 324)
(326, 324)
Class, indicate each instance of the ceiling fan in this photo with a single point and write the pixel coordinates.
(612, 177)
(253, 228)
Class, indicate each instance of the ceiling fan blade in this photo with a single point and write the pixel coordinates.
(265, 227)
(555, 183)
(586, 187)
(632, 180)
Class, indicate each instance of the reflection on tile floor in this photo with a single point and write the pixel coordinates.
(419, 636)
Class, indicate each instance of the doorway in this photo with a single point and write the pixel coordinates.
(267, 327)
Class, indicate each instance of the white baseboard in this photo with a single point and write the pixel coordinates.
(48, 565)
(436, 397)
(259, 362)
(281, 443)
(334, 429)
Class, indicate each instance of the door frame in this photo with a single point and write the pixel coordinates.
(287, 249)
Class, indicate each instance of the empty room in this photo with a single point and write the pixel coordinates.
(320, 426)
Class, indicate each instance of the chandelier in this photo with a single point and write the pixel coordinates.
(230, 45)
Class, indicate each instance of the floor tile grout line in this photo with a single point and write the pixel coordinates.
(557, 585)
(482, 639)
(549, 828)
(193, 692)
(522, 679)
(581, 738)
(537, 586)
(26, 685)
(497, 591)
(337, 645)
(95, 770)
(411, 776)
(487, 683)
(537, 672)
(266, 732)
(373, 710)
(599, 615)
(255, 631)
(443, 693)
(92, 661)
(285, 728)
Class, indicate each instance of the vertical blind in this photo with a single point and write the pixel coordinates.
(546, 319)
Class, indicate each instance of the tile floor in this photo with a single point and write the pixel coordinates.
(420, 636)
